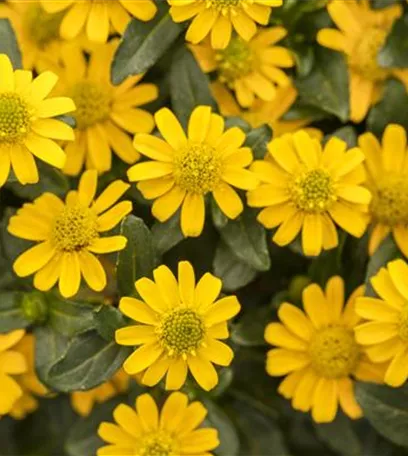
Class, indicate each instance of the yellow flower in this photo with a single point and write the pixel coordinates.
(385, 335)
(362, 34)
(11, 363)
(146, 431)
(250, 69)
(219, 16)
(97, 17)
(178, 327)
(185, 169)
(104, 112)
(305, 187)
(388, 181)
(28, 381)
(83, 401)
(69, 234)
(26, 124)
(318, 352)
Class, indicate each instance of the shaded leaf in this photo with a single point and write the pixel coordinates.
(257, 139)
(8, 43)
(394, 53)
(249, 331)
(168, 234)
(108, 319)
(11, 312)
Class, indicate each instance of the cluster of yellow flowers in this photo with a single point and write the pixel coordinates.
(302, 185)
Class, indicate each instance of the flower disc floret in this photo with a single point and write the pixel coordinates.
(15, 118)
(158, 443)
(234, 62)
(222, 5)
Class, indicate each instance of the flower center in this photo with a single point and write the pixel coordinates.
(15, 118)
(41, 26)
(334, 352)
(363, 58)
(75, 228)
(235, 61)
(390, 200)
(181, 332)
(156, 444)
(313, 190)
(197, 168)
(223, 5)
(403, 323)
(93, 103)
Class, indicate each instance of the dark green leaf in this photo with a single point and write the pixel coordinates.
(219, 218)
(391, 108)
(108, 319)
(233, 272)
(237, 122)
(347, 134)
(8, 43)
(387, 410)
(326, 87)
(249, 331)
(394, 53)
(143, 44)
(138, 259)
(247, 239)
(168, 234)
(11, 313)
(257, 140)
(189, 86)
(89, 361)
(379, 4)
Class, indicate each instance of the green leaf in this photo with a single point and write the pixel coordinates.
(219, 218)
(189, 86)
(232, 121)
(8, 43)
(379, 4)
(143, 44)
(257, 139)
(11, 312)
(108, 319)
(326, 87)
(394, 53)
(249, 331)
(233, 272)
(89, 361)
(168, 234)
(391, 108)
(347, 134)
(69, 317)
(386, 409)
(138, 258)
(247, 239)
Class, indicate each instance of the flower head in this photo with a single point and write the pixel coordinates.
(305, 187)
(363, 32)
(318, 352)
(105, 113)
(218, 17)
(26, 125)
(69, 234)
(388, 183)
(97, 17)
(385, 334)
(145, 431)
(178, 328)
(249, 68)
(12, 363)
(185, 169)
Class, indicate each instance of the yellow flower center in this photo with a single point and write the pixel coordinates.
(363, 58)
(334, 352)
(313, 191)
(42, 27)
(181, 331)
(93, 103)
(74, 228)
(15, 118)
(390, 200)
(223, 5)
(157, 444)
(403, 323)
(234, 62)
(197, 168)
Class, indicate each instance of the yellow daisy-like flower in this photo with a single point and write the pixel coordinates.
(250, 69)
(318, 352)
(28, 381)
(12, 363)
(26, 124)
(145, 430)
(363, 32)
(218, 17)
(305, 187)
(98, 17)
(385, 335)
(69, 234)
(37, 32)
(105, 113)
(179, 325)
(83, 401)
(387, 171)
(185, 169)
